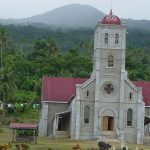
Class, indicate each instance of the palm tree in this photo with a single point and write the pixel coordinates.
(51, 46)
(7, 87)
(6, 83)
(3, 43)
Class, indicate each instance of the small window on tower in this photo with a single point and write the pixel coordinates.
(130, 95)
(116, 38)
(110, 61)
(87, 93)
(106, 38)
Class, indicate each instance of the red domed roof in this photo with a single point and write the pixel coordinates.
(111, 19)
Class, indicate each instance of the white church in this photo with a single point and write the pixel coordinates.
(108, 104)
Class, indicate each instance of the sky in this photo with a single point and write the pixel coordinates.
(135, 9)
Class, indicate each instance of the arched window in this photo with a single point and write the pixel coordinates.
(116, 38)
(129, 117)
(110, 61)
(106, 38)
(87, 93)
(86, 114)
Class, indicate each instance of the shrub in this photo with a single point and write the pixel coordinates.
(24, 146)
(103, 146)
(23, 132)
(77, 147)
(3, 147)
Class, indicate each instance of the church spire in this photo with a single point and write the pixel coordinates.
(110, 12)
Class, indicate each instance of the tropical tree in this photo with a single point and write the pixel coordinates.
(3, 43)
(7, 87)
(45, 48)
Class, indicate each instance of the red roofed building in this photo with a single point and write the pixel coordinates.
(59, 90)
(145, 91)
(107, 104)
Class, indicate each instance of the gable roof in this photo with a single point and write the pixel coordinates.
(60, 89)
(145, 90)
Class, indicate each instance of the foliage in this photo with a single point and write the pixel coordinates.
(22, 146)
(3, 147)
(19, 107)
(138, 64)
(103, 146)
(22, 96)
(25, 132)
(7, 84)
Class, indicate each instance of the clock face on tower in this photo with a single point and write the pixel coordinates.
(108, 89)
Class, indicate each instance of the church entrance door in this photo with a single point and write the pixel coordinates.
(108, 123)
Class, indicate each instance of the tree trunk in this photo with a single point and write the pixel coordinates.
(4, 115)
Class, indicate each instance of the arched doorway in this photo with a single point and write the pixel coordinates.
(108, 120)
(108, 123)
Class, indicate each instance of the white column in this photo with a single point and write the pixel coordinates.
(97, 92)
(55, 125)
(73, 118)
(140, 118)
(78, 113)
(121, 110)
(43, 120)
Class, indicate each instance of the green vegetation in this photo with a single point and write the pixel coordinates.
(29, 53)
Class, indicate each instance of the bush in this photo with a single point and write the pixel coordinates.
(3, 147)
(103, 146)
(77, 147)
(22, 147)
(23, 132)
(10, 110)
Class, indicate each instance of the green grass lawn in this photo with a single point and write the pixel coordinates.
(43, 143)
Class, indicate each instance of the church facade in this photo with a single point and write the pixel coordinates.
(108, 105)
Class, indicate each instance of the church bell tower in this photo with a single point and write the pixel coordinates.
(108, 68)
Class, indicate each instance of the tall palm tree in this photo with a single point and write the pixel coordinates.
(7, 87)
(51, 46)
(3, 43)
(6, 84)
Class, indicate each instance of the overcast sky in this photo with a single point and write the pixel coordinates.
(136, 9)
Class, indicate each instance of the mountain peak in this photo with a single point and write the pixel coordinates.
(73, 15)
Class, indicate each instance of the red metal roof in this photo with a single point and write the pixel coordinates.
(62, 89)
(23, 126)
(59, 89)
(111, 19)
(145, 90)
